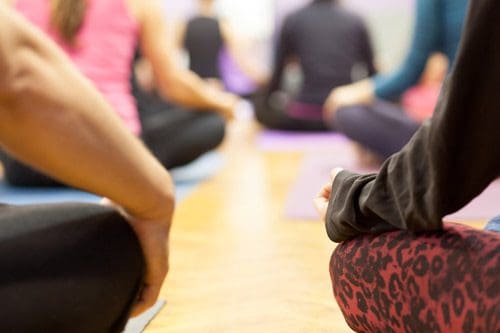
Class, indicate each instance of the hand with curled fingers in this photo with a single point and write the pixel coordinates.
(322, 199)
(153, 236)
(358, 93)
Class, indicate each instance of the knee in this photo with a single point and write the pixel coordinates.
(258, 105)
(347, 119)
(105, 236)
(268, 106)
(215, 127)
(87, 261)
(372, 276)
(120, 240)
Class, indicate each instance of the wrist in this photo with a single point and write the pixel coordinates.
(156, 205)
(368, 87)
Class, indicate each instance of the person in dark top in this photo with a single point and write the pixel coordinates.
(399, 268)
(332, 48)
(205, 36)
(203, 42)
(176, 135)
(381, 128)
(451, 159)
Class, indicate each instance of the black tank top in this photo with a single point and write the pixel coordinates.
(203, 42)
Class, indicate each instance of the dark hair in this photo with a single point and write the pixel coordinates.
(67, 18)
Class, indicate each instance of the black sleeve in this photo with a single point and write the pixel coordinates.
(282, 52)
(449, 161)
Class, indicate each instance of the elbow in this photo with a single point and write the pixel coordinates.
(430, 221)
(170, 195)
(166, 195)
(430, 225)
(20, 57)
(171, 93)
(160, 203)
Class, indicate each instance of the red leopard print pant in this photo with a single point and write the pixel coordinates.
(447, 281)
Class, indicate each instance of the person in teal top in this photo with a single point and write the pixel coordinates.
(357, 110)
(438, 26)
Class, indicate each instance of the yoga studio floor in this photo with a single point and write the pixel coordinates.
(238, 262)
(248, 254)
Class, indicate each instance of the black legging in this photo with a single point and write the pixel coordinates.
(19, 174)
(175, 136)
(67, 268)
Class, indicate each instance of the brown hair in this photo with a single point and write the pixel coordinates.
(67, 18)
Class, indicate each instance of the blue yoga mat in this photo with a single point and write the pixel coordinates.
(186, 179)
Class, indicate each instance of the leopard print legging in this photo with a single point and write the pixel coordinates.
(447, 281)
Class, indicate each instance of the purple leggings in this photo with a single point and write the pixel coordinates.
(273, 113)
(382, 128)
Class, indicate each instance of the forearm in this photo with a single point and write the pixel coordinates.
(393, 85)
(186, 88)
(53, 119)
(448, 162)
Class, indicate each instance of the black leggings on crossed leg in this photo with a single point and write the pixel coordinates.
(175, 136)
(67, 268)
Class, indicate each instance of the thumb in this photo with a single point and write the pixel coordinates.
(335, 172)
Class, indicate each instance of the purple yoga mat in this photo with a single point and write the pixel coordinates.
(234, 79)
(484, 207)
(315, 172)
(270, 140)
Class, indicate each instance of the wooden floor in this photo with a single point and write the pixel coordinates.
(237, 265)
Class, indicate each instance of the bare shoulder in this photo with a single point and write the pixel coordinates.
(141, 9)
(9, 3)
(134, 8)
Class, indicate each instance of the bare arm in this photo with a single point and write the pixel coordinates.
(173, 81)
(179, 34)
(53, 118)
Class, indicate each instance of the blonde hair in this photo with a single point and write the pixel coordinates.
(67, 18)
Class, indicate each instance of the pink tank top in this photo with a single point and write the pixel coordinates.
(104, 49)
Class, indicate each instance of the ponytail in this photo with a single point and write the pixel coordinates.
(67, 18)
